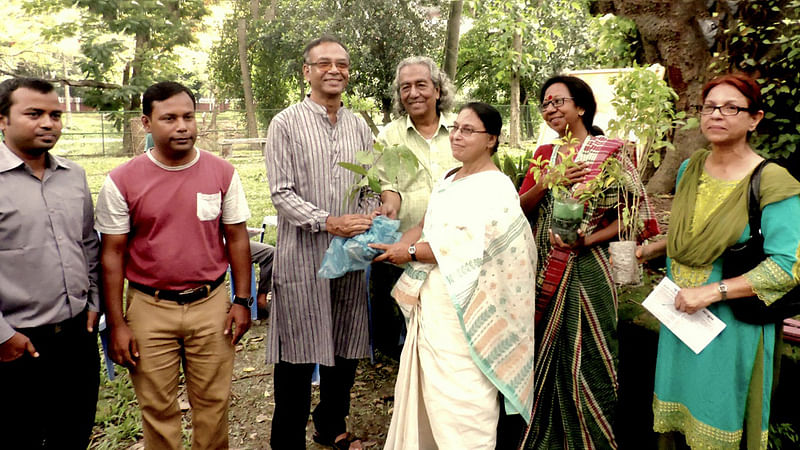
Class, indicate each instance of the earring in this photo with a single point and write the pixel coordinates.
(580, 114)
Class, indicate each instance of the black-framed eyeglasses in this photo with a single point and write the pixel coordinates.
(556, 102)
(326, 65)
(466, 131)
(725, 110)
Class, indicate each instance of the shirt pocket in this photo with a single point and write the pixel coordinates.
(209, 205)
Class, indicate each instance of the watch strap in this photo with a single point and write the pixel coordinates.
(247, 302)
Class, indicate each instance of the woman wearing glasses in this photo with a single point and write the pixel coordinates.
(576, 304)
(720, 397)
(466, 294)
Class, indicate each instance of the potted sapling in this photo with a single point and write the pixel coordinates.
(568, 202)
(625, 268)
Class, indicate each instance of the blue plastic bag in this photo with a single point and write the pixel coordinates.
(350, 254)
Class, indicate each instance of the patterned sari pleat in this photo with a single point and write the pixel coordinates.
(575, 380)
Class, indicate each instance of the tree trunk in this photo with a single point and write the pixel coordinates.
(302, 85)
(140, 50)
(272, 11)
(247, 84)
(386, 107)
(255, 10)
(513, 126)
(67, 96)
(525, 113)
(370, 122)
(453, 33)
(671, 36)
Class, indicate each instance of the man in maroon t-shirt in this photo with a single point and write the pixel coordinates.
(172, 220)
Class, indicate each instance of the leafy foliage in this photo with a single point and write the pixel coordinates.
(383, 163)
(548, 45)
(611, 176)
(616, 42)
(783, 435)
(554, 175)
(762, 37)
(515, 167)
(126, 42)
(645, 112)
(378, 34)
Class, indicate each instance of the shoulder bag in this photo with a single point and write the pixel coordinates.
(741, 258)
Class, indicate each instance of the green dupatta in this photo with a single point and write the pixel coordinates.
(726, 224)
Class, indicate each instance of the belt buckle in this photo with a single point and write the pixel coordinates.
(190, 293)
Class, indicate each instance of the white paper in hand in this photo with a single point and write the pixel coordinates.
(695, 330)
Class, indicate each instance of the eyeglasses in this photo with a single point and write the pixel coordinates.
(466, 131)
(326, 65)
(556, 102)
(725, 110)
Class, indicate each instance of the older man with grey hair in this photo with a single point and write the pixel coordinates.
(423, 96)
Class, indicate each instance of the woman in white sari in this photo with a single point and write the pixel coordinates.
(468, 296)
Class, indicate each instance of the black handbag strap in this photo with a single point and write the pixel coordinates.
(754, 202)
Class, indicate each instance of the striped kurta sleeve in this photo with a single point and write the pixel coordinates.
(279, 160)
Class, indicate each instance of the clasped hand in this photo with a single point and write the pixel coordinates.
(349, 225)
(396, 253)
(691, 300)
(556, 241)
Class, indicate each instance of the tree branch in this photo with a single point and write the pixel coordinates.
(73, 83)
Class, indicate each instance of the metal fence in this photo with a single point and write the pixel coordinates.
(100, 133)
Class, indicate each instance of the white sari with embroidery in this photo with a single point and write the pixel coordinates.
(470, 319)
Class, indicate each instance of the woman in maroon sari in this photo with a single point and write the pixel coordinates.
(576, 379)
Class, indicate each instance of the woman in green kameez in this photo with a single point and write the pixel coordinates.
(720, 398)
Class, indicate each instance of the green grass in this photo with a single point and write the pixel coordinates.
(117, 422)
(249, 164)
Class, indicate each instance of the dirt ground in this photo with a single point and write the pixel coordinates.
(252, 404)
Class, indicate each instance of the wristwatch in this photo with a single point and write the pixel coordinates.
(723, 290)
(412, 250)
(243, 301)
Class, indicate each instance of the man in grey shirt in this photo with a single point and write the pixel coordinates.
(49, 301)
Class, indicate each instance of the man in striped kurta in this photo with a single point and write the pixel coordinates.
(315, 320)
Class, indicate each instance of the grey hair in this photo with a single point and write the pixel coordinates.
(440, 81)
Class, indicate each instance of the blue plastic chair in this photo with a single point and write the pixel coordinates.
(254, 307)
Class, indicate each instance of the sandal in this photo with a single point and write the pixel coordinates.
(341, 444)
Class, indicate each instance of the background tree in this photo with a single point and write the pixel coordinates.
(378, 33)
(697, 39)
(138, 36)
(453, 36)
(487, 56)
(247, 83)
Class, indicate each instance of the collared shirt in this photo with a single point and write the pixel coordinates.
(49, 252)
(314, 318)
(435, 159)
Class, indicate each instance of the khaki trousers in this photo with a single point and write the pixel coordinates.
(169, 334)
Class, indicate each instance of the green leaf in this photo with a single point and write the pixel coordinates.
(375, 184)
(365, 158)
(353, 168)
